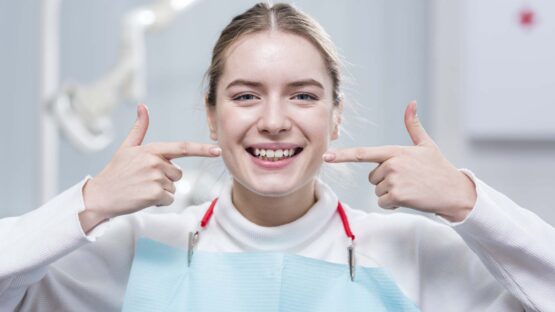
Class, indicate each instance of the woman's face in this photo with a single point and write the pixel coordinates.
(274, 99)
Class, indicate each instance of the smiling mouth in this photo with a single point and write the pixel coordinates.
(274, 155)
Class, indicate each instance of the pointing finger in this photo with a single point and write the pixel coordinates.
(171, 150)
(377, 154)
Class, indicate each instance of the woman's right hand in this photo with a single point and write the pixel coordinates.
(137, 176)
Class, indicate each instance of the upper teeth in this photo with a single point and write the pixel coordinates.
(274, 153)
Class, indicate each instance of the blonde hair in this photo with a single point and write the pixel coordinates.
(282, 17)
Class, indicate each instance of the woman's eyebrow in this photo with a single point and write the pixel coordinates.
(305, 82)
(294, 84)
(243, 82)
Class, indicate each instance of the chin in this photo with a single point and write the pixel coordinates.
(271, 187)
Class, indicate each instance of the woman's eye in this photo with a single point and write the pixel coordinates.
(304, 97)
(245, 97)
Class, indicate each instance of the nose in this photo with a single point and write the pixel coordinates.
(274, 119)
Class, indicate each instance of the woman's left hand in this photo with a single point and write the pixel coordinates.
(417, 177)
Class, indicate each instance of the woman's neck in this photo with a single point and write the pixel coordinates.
(273, 211)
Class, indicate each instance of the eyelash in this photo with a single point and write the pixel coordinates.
(241, 97)
(310, 97)
(253, 97)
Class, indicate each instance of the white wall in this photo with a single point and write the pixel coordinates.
(19, 98)
(523, 170)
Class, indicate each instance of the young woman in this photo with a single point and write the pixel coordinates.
(277, 238)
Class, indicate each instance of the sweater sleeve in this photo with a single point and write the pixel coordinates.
(514, 244)
(31, 242)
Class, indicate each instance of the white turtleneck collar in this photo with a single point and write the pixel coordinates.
(278, 238)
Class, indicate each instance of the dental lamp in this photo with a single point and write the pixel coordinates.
(84, 112)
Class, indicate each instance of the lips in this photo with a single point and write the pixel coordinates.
(273, 163)
(274, 146)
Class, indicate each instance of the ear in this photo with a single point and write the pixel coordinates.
(211, 119)
(337, 118)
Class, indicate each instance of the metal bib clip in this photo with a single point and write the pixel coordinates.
(352, 261)
(193, 240)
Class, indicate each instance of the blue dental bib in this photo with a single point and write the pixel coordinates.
(160, 280)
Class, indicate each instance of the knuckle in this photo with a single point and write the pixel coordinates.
(206, 149)
(152, 162)
(391, 179)
(390, 165)
(395, 195)
(158, 177)
(396, 165)
(159, 192)
(401, 150)
(387, 205)
(398, 198)
(130, 154)
(123, 152)
(147, 148)
(154, 195)
(398, 149)
(359, 154)
(170, 199)
(184, 147)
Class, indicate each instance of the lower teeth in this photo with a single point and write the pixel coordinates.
(271, 159)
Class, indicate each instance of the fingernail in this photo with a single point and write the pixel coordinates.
(139, 109)
(328, 156)
(216, 151)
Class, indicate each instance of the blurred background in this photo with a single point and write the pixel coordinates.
(482, 72)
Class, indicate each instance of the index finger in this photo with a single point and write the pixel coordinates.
(377, 154)
(171, 150)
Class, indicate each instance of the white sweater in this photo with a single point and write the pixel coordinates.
(500, 258)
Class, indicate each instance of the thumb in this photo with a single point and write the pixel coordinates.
(414, 127)
(138, 132)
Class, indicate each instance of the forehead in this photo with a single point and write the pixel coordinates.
(274, 57)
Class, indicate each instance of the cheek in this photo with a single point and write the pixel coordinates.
(316, 126)
(233, 123)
